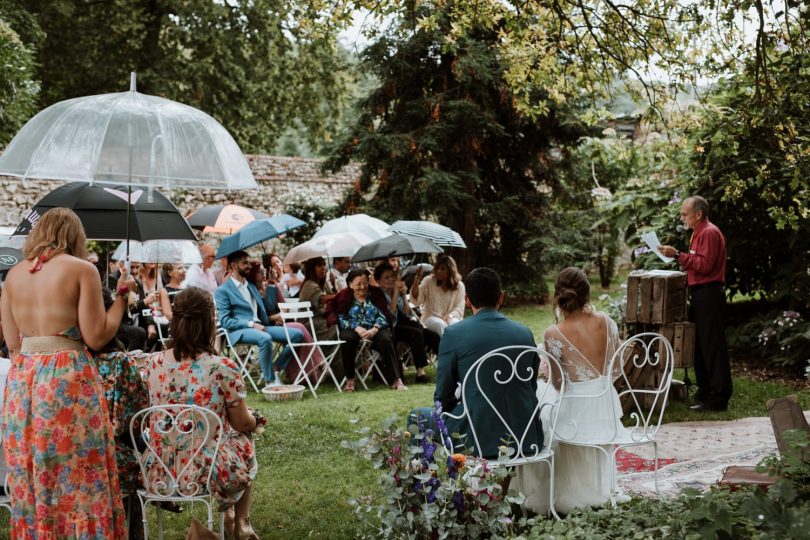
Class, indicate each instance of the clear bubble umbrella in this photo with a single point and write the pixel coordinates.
(160, 251)
(127, 138)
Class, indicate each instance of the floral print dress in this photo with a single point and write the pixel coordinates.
(59, 448)
(214, 383)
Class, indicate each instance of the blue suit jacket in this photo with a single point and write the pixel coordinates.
(235, 313)
(462, 344)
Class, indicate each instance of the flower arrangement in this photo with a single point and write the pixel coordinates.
(261, 423)
(431, 492)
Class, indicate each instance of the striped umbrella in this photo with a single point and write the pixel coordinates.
(441, 235)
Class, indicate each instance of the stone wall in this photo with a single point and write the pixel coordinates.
(279, 178)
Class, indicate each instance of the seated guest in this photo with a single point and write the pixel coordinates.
(292, 279)
(129, 333)
(275, 268)
(363, 315)
(461, 346)
(440, 295)
(273, 297)
(583, 343)
(176, 274)
(202, 275)
(314, 291)
(146, 300)
(406, 330)
(126, 394)
(243, 312)
(340, 271)
(188, 372)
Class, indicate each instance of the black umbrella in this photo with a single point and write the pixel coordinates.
(103, 212)
(395, 245)
(9, 257)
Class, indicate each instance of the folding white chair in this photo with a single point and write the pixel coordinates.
(174, 436)
(367, 361)
(494, 376)
(244, 355)
(642, 351)
(298, 312)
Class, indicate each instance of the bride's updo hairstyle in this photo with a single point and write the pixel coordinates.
(193, 326)
(572, 291)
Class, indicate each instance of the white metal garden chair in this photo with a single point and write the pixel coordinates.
(303, 352)
(643, 351)
(245, 356)
(492, 378)
(366, 361)
(174, 436)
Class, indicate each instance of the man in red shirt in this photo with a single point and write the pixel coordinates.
(705, 267)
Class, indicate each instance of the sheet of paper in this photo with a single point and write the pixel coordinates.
(651, 239)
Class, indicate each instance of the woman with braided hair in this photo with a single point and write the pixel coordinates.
(189, 372)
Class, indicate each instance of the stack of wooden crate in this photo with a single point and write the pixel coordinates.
(656, 302)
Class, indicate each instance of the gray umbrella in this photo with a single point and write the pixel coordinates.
(395, 245)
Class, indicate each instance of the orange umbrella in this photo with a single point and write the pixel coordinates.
(223, 218)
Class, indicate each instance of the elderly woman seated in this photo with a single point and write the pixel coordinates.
(188, 372)
(363, 316)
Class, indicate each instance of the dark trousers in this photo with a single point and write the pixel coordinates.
(133, 337)
(383, 343)
(712, 369)
(417, 337)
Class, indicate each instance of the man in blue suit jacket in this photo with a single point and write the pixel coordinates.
(243, 312)
(465, 342)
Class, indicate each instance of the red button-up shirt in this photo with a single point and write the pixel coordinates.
(706, 260)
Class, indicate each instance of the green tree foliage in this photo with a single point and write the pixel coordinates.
(442, 138)
(752, 161)
(257, 66)
(17, 88)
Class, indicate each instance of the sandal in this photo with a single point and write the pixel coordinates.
(349, 386)
(400, 386)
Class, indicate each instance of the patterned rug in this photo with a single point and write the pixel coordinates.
(628, 462)
(695, 454)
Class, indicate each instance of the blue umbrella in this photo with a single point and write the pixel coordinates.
(257, 232)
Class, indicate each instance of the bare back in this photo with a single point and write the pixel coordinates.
(584, 344)
(65, 292)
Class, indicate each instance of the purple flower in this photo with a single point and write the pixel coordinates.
(458, 500)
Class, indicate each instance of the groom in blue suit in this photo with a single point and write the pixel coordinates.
(243, 312)
(462, 345)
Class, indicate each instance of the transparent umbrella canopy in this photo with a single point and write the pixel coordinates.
(356, 223)
(160, 251)
(127, 138)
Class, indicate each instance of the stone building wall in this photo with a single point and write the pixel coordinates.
(279, 178)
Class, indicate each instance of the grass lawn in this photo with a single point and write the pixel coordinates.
(306, 477)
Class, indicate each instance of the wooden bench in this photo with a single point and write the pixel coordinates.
(785, 414)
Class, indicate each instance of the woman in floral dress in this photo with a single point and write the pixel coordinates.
(58, 436)
(189, 373)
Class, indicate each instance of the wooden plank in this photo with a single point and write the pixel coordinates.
(658, 297)
(633, 284)
(681, 336)
(645, 310)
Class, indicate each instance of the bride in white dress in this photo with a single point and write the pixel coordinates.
(583, 343)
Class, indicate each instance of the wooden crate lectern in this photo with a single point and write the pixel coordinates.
(656, 302)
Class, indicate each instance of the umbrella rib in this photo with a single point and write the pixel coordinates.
(97, 157)
(216, 154)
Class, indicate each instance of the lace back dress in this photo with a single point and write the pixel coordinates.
(589, 412)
